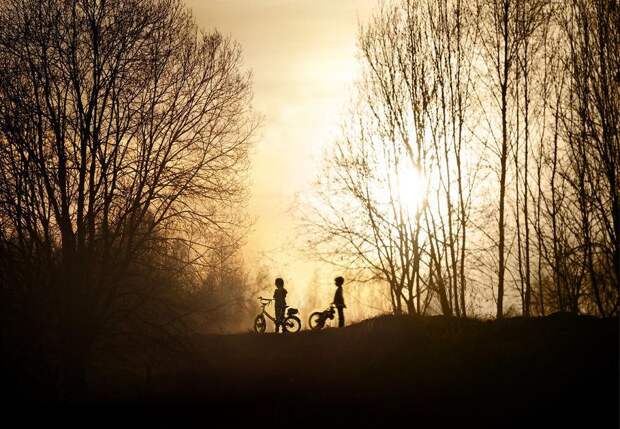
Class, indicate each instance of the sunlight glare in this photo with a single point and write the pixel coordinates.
(411, 187)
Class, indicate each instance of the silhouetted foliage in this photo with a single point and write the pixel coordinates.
(124, 132)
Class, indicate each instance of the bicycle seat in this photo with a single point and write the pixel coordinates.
(292, 311)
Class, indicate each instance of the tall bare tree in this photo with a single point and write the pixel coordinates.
(500, 44)
(123, 126)
(591, 117)
(407, 141)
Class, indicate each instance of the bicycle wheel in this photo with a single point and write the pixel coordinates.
(292, 324)
(260, 324)
(316, 321)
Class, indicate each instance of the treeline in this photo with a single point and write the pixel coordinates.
(478, 171)
(124, 135)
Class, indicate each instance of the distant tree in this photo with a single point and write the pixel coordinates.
(224, 299)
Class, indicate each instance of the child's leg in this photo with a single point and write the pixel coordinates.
(340, 317)
(279, 317)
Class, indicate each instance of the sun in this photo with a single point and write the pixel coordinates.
(411, 187)
(403, 184)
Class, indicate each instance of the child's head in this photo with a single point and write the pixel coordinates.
(279, 282)
(339, 281)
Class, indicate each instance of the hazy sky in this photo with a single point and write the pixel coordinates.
(302, 54)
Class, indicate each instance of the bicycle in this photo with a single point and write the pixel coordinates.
(317, 319)
(290, 324)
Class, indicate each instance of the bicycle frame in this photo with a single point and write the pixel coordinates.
(264, 302)
(264, 312)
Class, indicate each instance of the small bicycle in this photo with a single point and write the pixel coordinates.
(291, 322)
(317, 319)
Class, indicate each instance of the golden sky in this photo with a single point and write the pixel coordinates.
(302, 54)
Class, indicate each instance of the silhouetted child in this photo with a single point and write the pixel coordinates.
(279, 295)
(339, 300)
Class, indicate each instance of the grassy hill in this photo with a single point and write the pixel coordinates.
(435, 371)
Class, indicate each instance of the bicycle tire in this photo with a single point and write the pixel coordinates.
(260, 324)
(291, 324)
(316, 321)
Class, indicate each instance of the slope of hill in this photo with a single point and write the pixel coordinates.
(556, 370)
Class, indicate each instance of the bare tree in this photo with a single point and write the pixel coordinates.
(590, 123)
(500, 43)
(532, 23)
(396, 195)
(446, 83)
(123, 126)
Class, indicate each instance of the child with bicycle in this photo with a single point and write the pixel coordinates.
(279, 296)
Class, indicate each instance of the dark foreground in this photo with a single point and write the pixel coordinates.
(557, 371)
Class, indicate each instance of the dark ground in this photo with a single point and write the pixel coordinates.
(558, 371)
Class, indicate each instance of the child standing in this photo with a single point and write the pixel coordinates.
(339, 300)
(279, 296)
